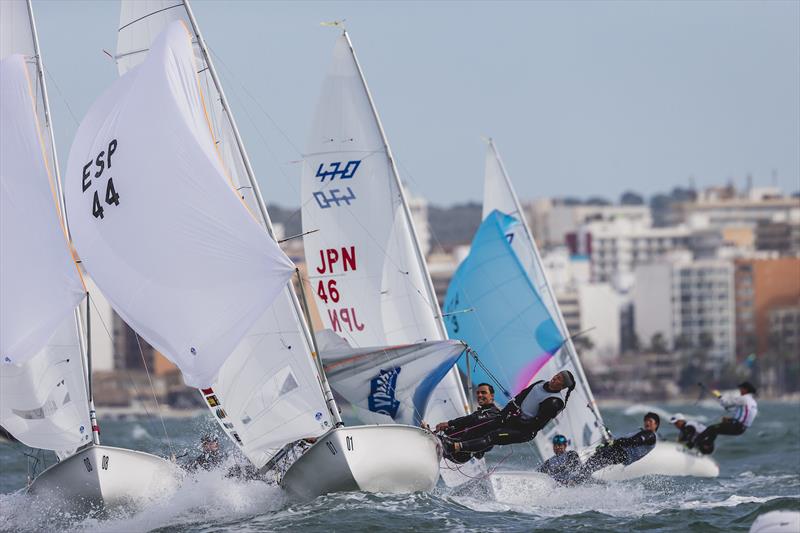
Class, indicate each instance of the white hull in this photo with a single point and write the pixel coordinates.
(667, 459)
(386, 458)
(104, 476)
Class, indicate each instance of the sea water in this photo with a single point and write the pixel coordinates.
(759, 472)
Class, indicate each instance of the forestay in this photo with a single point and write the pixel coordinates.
(156, 221)
(43, 400)
(392, 383)
(581, 422)
(267, 393)
(369, 284)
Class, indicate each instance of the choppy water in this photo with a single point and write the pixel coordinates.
(760, 472)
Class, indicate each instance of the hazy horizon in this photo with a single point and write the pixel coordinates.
(583, 98)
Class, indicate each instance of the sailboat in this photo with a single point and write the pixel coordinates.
(213, 297)
(371, 284)
(46, 370)
(501, 333)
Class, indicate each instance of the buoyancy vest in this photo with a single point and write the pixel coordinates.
(537, 394)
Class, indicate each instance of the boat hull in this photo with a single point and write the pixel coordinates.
(386, 458)
(105, 477)
(667, 459)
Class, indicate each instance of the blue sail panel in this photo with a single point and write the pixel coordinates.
(492, 305)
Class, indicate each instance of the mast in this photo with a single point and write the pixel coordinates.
(85, 349)
(414, 238)
(326, 387)
(306, 326)
(561, 322)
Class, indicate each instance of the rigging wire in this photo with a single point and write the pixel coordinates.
(155, 398)
(127, 372)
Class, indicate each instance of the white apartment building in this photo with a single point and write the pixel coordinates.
(687, 302)
(723, 208)
(617, 247)
(551, 222)
(419, 215)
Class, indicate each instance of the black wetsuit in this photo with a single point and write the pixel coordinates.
(511, 426)
(467, 427)
(561, 467)
(624, 450)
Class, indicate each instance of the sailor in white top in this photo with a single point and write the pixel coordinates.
(742, 411)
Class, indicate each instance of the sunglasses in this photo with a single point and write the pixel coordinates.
(560, 440)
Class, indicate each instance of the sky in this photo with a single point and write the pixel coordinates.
(582, 98)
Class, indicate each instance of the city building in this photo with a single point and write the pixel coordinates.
(725, 207)
(688, 305)
(617, 247)
(762, 286)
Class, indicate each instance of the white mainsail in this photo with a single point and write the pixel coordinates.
(581, 421)
(43, 388)
(369, 279)
(267, 393)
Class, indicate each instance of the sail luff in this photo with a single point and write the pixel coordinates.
(82, 342)
(262, 207)
(548, 287)
(431, 294)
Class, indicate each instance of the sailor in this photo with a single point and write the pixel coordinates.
(468, 426)
(743, 410)
(211, 455)
(688, 429)
(624, 450)
(563, 464)
(520, 420)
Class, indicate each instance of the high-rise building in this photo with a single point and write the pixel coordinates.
(690, 304)
(762, 285)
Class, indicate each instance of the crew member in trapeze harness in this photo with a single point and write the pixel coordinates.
(743, 410)
(563, 464)
(520, 420)
(624, 450)
(689, 429)
(468, 426)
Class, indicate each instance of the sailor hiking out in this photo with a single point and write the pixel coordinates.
(563, 465)
(520, 420)
(468, 426)
(742, 410)
(624, 450)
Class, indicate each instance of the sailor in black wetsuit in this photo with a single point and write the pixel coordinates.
(624, 450)
(520, 420)
(467, 427)
(210, 458)
(563, 464)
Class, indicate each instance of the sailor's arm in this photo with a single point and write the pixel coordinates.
(729, 400)
(643, 438)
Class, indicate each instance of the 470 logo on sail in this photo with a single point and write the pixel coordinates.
(335, 197)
